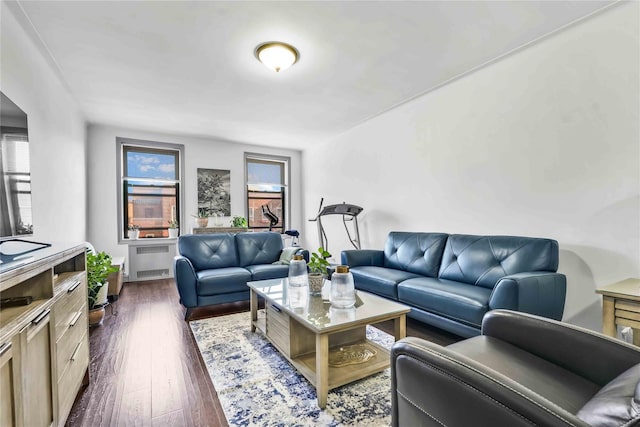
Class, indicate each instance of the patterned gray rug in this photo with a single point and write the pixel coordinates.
(258, 387)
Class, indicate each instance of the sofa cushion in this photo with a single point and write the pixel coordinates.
(483, 260)
(258, 248)
(617, 403)
(206, 251)
(418, 253)
(222, 280)
(379, 280)
(268, 271)
(458, 301)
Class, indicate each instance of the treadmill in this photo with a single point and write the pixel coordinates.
(349, 214)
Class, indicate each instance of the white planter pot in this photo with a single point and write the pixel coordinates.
(133, 234)
(101, 298)
(173, 233)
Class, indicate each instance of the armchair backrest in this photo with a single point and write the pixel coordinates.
(258, 248)
(418, 253)
(207, 251)
(483, 260)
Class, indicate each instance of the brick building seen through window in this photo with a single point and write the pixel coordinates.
(267, 192)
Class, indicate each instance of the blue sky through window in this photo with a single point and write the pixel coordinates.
(151, 165)
(261, 173)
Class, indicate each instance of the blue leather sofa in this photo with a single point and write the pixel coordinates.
(451, 281)
(215, 268)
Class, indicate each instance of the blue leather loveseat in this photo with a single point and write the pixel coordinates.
(451, 281)
(215, 268)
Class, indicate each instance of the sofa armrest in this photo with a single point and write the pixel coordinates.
(433, 385)
(362, 257)
(589, 354)
(540, 293)
(186, 281)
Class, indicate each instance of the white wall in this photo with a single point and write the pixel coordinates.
(199, 153)
(542, 143)
(56, 135)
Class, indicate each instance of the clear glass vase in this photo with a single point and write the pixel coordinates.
(343, 293)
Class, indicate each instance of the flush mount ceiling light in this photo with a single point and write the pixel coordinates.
(277, 55)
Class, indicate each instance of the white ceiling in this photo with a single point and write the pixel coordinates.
(189, 68)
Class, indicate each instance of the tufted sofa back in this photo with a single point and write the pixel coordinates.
(258, 248)
(207, 251)
(482, 260)
(418, 253)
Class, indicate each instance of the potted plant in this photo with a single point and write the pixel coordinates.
(98, 268)
(318, 265)
(202, 218)
(134, 231)
(173, 229)
(239, 222)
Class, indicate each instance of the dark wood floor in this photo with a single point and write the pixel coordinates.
(146, 369)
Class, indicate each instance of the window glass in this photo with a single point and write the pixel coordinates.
(154, 164)
(150, 190)
(266, 194)
(265, 173)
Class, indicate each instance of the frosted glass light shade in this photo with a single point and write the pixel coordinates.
(277, 56)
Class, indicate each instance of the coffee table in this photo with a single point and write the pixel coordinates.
(327, 345)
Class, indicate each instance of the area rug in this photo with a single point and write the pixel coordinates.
(259, 387)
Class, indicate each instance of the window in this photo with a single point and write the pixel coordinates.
(267, 191)
(149, 191)
(15, 201)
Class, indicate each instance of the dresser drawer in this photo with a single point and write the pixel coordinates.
(278, 328)
(277, 318)
(70, 381)
(68, 343)
(67, 308)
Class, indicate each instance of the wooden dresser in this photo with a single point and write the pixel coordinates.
(44, 346)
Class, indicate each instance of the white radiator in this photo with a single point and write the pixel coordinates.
(150, 260)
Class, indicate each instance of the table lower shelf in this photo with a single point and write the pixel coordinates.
(338, 375)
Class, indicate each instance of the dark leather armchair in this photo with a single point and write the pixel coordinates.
(523, 370)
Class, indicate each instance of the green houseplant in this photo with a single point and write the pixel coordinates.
(134, 231)
(98, 268)
(173, 228)
(239, 222)
(318, 265)
(202, 218)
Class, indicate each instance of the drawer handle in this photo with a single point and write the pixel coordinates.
(4, 348)
(41, 317)
(75, 352)
(75, 319)
(276, 308)
(73, 287)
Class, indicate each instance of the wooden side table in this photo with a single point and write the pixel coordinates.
(115, 278)
(621, 306)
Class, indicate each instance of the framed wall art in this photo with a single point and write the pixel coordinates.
(214, 192)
